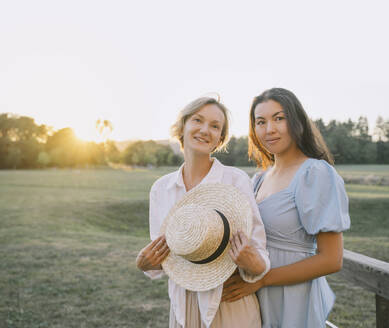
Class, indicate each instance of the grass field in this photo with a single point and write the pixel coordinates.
(68, 240)
(361, 169)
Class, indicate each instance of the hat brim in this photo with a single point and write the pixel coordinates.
(236, 207)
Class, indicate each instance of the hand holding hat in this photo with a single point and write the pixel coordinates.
(198, 229)
(151, 256)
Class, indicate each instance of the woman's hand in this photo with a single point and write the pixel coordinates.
(245, 255)
(235, 288)
(151, 256)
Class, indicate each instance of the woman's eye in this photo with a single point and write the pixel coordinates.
(260, 122)
(215, 127)
(279, 118)
(196, 119)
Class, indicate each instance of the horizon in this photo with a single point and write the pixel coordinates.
(98, 138)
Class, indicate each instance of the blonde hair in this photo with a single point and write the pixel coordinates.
(177, 129)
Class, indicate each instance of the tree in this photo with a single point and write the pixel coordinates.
(240, 152)
(44, 159)
(340, 142)
(349, 142)
(112, 153)
(63, 148)
(145, 153)
(381, 132)
(367, 150)
(362, 128)
(104, 128)
(227, 157)
(236, 154)
(21, 140)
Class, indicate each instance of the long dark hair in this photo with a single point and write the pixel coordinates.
(302, 130)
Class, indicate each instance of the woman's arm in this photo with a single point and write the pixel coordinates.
(328, 260)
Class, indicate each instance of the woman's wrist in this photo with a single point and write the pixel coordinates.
(258, 265)
(265, 280)
(254, 265)
(155, 267)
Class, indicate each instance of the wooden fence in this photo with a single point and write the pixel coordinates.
(370, 274)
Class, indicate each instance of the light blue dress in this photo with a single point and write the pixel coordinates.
(315, 201)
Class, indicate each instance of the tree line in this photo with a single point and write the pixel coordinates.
(25, 144)
(349, 143)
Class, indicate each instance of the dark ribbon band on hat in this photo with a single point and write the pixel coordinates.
(223, 243)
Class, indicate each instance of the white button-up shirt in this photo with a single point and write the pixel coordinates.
(168, 190)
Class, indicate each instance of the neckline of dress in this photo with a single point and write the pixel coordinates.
(282, 190)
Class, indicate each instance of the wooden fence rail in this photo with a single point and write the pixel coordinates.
(370, 274)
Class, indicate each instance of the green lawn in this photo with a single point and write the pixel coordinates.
(68, 241)
(361, 169)
(379, 170)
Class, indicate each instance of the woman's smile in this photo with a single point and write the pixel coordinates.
(272, 141)
(200, 139)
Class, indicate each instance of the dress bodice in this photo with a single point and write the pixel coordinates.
(280, 216)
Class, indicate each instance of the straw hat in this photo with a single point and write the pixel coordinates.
(198, 229)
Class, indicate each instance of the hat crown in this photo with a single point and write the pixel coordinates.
(195, 232)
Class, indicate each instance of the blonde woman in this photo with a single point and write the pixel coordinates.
(202, 128)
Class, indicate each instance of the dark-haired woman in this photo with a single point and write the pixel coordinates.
(304, 208)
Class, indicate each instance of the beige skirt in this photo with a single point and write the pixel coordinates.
(243, 313)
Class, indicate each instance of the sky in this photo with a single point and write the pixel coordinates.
(137, 63)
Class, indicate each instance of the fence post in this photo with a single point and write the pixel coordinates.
(382, 312)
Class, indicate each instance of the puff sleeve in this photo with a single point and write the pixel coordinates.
(321, 199)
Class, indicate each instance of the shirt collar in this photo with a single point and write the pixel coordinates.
(214, 175)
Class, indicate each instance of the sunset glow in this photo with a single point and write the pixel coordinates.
(140, 67)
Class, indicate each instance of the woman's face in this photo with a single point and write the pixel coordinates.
(271, 127)
(202, 130)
